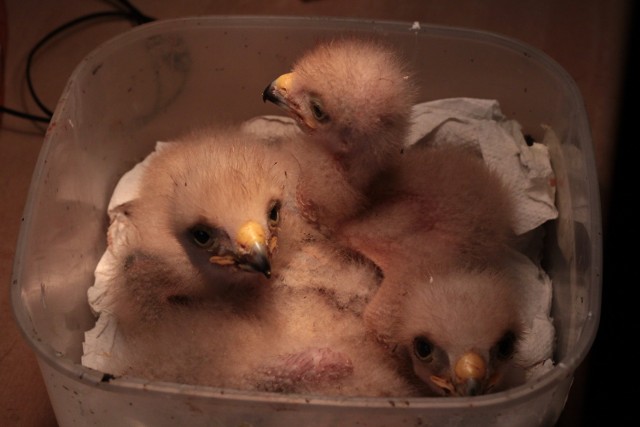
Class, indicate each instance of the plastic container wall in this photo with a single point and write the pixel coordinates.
(163, 78)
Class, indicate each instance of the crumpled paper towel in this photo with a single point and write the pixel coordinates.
(477, 123)
(480, 123)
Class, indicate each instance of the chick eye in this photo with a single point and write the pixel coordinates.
(318, 111)
(506, 346)
(202, 236)
(274, 214)
(423, 348)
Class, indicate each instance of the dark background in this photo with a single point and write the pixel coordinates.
(610, 367)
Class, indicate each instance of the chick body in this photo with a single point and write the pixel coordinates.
(438, 230)
(189, 310)
(352, 99)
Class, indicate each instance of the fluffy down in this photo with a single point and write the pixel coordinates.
(199, 298)
(446, 305)
(352, 98)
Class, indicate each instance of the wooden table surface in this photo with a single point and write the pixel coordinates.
(586, 38)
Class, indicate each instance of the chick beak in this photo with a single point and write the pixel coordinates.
(254, 249)
(278, 90)
(470, 371)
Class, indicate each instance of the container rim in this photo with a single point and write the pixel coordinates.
(562, 371)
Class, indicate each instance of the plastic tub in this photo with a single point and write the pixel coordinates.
(162, 78)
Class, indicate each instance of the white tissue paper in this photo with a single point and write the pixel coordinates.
(477, 123)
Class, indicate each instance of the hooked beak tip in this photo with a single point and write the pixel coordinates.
(255, 253)
(276, 90)
(266, 93)
(473, 387)
(271, 94)
(257, 260)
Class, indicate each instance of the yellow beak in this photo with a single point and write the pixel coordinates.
(253, 252)
(470, 371)
(278, 90)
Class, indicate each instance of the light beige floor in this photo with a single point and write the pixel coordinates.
(586, 38)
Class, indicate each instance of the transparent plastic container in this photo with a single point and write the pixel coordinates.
(162, 78)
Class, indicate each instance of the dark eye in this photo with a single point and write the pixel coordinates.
(202, 236)
(318, 111)
(423, 348)
(274, 214)
(506, 346)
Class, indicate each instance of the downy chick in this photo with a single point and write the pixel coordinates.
(352, 98)
(446, 303)
(221, 281)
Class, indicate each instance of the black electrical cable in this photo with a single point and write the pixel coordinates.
(24, 115)
(140, 17)
(132, 13)
(55, 32)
